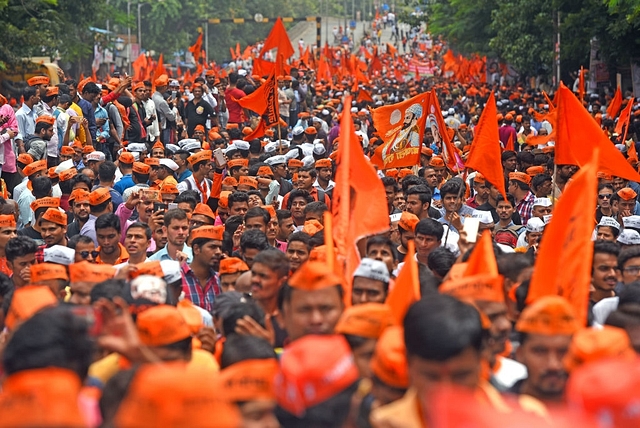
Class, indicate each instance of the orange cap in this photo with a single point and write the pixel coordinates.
(408, 221)
(485, 287)
(311, 227)
(208, 232)
(627, 193)
(314, 369)
(295, 163)
(247, 130)
(436, 161)
(26, 301)
(38, 80)
(270, 210)
(76, 144)
(223, 202)
(248, 181)
(367, 320)
(191, 316)
(232, 126)
(157, 145)
(79, 195)
(126, 157)
(404, 172)
(604, 175)
(88, 149)
(46, 202)
(213, 135)
(51, 172)
(54, 215)
(152, 268)
(549, 149)
(99, 196)
(150, 162)
(7, 220)
(66, 150)
(137, 85)
(204, 155)
(250, 380)
(312, 276)
(198, 128)
(237, 162)
(205, 210)
(141, 168)
(175, 395)
(549, 315)
(50, 120)
(589, 345)
(392, 172)
(26, 158)
(90, 272)
(520, 176)
(232, 265)
(162, 325)
(47, 271)
(323, 163)
(264, 171)
(426, 151)
(230, 181)
(169, 188)
(34, 167)
(532, 171)
(162, 80)
(68, 174)
(389, 361)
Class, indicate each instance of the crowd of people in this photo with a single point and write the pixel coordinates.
(163, 265)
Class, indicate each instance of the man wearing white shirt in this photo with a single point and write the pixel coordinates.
(153, 130)
(136, 241)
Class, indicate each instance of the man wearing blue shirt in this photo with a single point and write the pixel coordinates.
(176, 226)
(26, 116)
(90, 92)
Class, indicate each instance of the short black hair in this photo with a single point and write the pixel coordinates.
(107, 221)
(237, 311)
(510, 265)
(107, 171)
(174, 214)
(390, 182)
(283, 215)
(239, 348)
(275, 260)
(107, 289)
(627, 254)
(300, 237)
(81, 178)
(41, 187)
(299, 193)
(605, 247)
(238, 197)
(410, 181)
(539, 179)
(140, 225)
(139, 178)
(423, 192)
(78, 239)
(430, 227)
(258, 212)
(310, 169)
(20, 246)
(441, 327)
(440, 261)
(509, 199)
(382, 240)
(188, 197)
(452, 187)
(254, 239)
(91, 88)
(29, 91)
(42, 126)
(316, 207)
(508, 154)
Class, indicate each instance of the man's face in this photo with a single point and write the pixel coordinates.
(305, 181)
(533, 238)
(272, 229)
(604, 198)
(312, 312)
(545, 188)
(177, 232)
(198, 135)
(108, 239)
(408, 119)
(64, 157)
(147, 92)
(605, 233)
(405, 237)
(297, 253)
(139, 94)
(209, 254)
(297, 208)
(162, 173)
(135, 241)
(255, 223)
(145, 210)
(505, 210)
(7, 233)
(265, 283)
(390, 192)
(566, 171)
(425, 244)
(451, 203)
(19, 264)
(324, 174)
(431, 177)
(48, 133)
(159, 154)
(280, 170)
(73, 91)
(223, 213)
(248, 255)
(509, 165)
(80, 293)
(285, 228)
(542, 355)
(52, 233)
(366, 290)
(462, 370)
(228, 281)
(254, 200)
(415, 206)
(186, 207)
(482, 190)
(399, 201)
(160, 237)
(197, 92)
(500, 324)
(85, 251)
(605, 271)
(440, 171)
(383, 253)
(619, 183)
(314, 215)
(630, 270)
(540, 211)
(258, 413)
(627, 207)
(239, 208)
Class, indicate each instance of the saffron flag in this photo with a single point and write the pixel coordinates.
(485, 155)
(364, 96)
(510, 145)
(560, 267)
(614, 106)
(578, 135)
(435, 122)
(278, 39)
(196, 49)
(401, 127)
(581, 91)
(623, 121)
(359, 204)
(407, 289)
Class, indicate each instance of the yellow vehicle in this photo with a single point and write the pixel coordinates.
(15, 78)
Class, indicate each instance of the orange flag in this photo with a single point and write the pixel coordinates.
(560, 267)
(581, 91)
(359, 204)
(138, 68)
(551, 104)
(441, 135)
(238, 54)
(623, 120)
(391, 50)
(485, 154)
(363, 96)
(483, 258)
(510, 145)
(407, 288)
(263, 101)
(401, 127)
(278, 38)
(632, 154)
(160, 70)
(578, 135)
(614, 106)
(232, 52)
(196, 49)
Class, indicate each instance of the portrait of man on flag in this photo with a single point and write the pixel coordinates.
(408, 137)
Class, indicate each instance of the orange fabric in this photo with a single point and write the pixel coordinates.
(204, 155)
(126, 157)
(47, 271)
(265, 171)
(407, 288)
(7, 220)
(161, 325)
(314, 275)
(258, 100)
(237, 162)
(79, 195)
(208, 232)
(279, 39)
(311, 227)
(364, 96)
(54, 215)
(627, 193)
(485, 154)
(205, 210)
(560, 267)
(26, 301)
(532, 171)
(360, 204)
(68, 174)
(408, 221)
(589, 345)
(99, 196)
(614, 106)
(32, 398)
(581, 90)
(46, 202)
(323, 163)
(248, 181)
(152, 161)
(520, 176)
(90, 272)
(578, 135)
(67, 150)
(367, 320)
(550, 316)
(34, 167)
(191, 316)
(250, 380)
(231, 265)
(623, 120)
(389, 361)
(509, 145)
(196, 49)
(141, 168)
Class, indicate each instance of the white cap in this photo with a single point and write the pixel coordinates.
(542, 202)
(136, 147)
(63, 166)
(242, 72)
(172, 148)
(229, 148)
(484, 216)
(354, 109)
(319, 149)
(275, 160)
(193, 145)
(631, 222)
(535, 225)
(96, 156)
(316, 119)
(169, 164)
(283, 143)
(149, 287)
(372, 269)
(325, 112)
(171, 270)
(241, 145)
(307, 149)
(610, 222)
(308, 160)
(60, 255)
(136, 155)
(452, 111)
(547, 218)
(445, 113)
(270, 147)
(298, 130)
(629, 237)
(394, 218)
(185, 141)
(291, 154)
